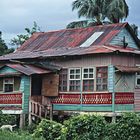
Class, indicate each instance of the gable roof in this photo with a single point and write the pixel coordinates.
(67, 42)
(71, 38)
(27, 69)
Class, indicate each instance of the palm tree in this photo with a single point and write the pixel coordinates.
(96, 11)
(116, 10)
(91, 9)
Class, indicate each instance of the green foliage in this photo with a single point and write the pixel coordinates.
(91, 127)
(7, 119)
(20, 39)
(127, 128)
(50, 130)
(85, 127)
(6, 135)
(97, 11)
(3, 47)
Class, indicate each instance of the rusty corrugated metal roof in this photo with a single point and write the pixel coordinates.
(67, 43)
(127, 69)
(28, 69)
(70, 38)
(77, 51)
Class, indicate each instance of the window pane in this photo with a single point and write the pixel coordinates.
(91, 70)
(71, 76)
(138, 81)
(74, 85)
(90, 75)
(88, 85)
(77, 77)
(77, 70)
(101, 79)
(63, 80)
(71, 71)
(8, 88)
(85, 70)
(85, 75)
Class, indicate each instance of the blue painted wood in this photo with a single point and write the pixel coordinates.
(25, 89)
(111, 78)
(117, 40)
(123, 107)
(70, 107)
(7, 70)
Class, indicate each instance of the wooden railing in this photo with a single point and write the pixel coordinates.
(15, 98)
(95, 98)
(37, 109)
(39, 106)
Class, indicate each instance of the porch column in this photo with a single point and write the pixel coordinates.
(111, 88)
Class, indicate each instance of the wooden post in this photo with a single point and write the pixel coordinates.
(114, 118)
(30, 110)
(22, 120)
(51, 112)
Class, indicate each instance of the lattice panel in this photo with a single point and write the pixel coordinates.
(11, 98)
(101, 98)
(67, 99)
(124, 98)
(95, 98)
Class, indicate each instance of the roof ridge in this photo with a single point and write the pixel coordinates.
(69, 29)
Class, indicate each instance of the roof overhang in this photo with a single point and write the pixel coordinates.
(126, 69)
(25, 69)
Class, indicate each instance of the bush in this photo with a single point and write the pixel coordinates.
(127, 128)
(50, 130)
(91, 127)
(7, 119)
(85, 127)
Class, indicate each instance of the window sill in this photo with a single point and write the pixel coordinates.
(14, 92)
(137, 87)
(84, 92)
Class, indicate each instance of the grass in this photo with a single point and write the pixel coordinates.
(6, 135)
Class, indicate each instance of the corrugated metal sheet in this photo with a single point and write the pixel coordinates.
(96, 49)
(69, 38)
(67, 43)
(128, 69)
(27, 69)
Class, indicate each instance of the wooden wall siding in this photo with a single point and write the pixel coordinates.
(91, 108)
(117, 40)
(124, 82)
(137, 99)
(111, 77)
(7, 70)
(85, 61)
(1, 84)
(50, 85)
(137, 60)
(124, 60)
(124, 107)
(25, 89)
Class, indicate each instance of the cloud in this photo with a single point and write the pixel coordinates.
(49, 15)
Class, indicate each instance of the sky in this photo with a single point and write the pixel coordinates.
(16, 15)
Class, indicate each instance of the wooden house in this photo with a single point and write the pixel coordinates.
(94, 69)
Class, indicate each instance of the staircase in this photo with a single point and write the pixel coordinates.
(40, 107)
